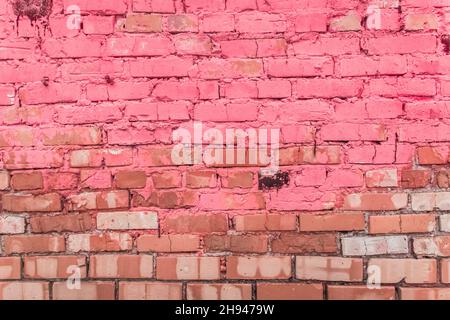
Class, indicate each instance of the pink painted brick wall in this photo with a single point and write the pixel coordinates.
(92, 92)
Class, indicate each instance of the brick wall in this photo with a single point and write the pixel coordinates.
(360, 91)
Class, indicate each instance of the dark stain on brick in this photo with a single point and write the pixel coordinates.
(445, 40)
(277, 181)
(33, 9)
(109, 80)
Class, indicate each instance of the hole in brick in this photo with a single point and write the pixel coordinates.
(277, 181)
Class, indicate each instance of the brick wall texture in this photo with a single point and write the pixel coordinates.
(359, 209)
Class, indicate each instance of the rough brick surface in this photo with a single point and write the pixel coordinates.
(96, 181)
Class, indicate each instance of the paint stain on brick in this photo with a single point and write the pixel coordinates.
(277, 181)
(33, 9)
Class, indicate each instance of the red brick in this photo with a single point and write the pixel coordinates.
(33, 159)
(238, 179)
(88, 291)
(98, 200)
(366, 246)
(232, 201)
(99, 242)
(236, 243)
(258, 267)
(127, 220)
(266, 222)
(302, 243)
(218, 291)
(33, 244)
(182, 23)
(376, 201)
(187, 268)
(72, 136)
(289, 291)
(168, 199)
(168, 243)
(201, 179)
(360, 293)
(166, 180)
(404, 223)
(195, 223)
(50, 202)
(53, 267)
(12, 225)
(425, 293)
(141, 23)
(433, 155)
(329, 268)
(411, 179)
(61, 223)
(403, 44)
(150, 291)
(433, 246)
(445, 270)
(10, 268)
(406, 270)
(130, 179)
(4, 180)
(24, 290)
(121, 266)
(443, 179)
(346, 221)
